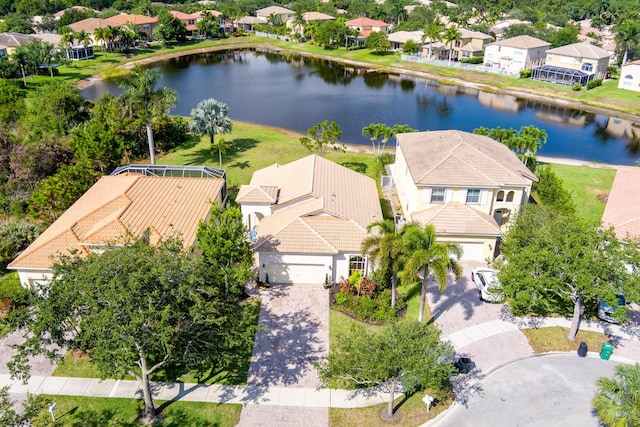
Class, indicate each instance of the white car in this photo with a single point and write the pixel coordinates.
(488, 284)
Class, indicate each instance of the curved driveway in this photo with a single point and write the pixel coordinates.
(552, 390)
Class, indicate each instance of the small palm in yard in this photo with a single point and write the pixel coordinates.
(211, 117)
(617, 401)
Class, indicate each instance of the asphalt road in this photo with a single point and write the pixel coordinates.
(552, 390)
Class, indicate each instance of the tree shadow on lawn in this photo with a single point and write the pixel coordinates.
(208, 155)
(356, 166)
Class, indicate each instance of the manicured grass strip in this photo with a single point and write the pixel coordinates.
(236, 374)
(543, 340)
(590, 188)
(94, 411)
(413, 412)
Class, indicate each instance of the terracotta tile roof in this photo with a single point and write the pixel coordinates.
(257, 194)
(212, 12)
(124, 18)
(364, 22)
(122, 205)
(456, 158)
(182, 16)
(457, 219)
(581, 50)
(521, 42)
(90, 24)
(623, 206)
(325, 197)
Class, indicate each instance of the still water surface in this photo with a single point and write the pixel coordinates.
(295, 93)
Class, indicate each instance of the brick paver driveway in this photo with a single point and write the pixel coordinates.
(296, 334)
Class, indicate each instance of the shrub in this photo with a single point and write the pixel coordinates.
(341, 299)
(525, 74)
(367, 287)
(552, 192)
(169, 131)
(594, 83)
(474, 60)
(411, 47)
(11, 290)
(577, 87)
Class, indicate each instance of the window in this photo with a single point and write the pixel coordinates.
(356, 263)
(587, 67)
(500, 196)
(510, 196)
(437, 195)
(473, 196)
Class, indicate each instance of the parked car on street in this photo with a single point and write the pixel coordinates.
(489, 287)
(606, 312)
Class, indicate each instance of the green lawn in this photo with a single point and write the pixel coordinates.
(74, 411)
(590, 188)
(543, 340)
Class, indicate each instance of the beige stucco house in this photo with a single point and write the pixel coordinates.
(469, 186)
(470, 45)
(282, 12)
(145, 24)
(308, 219)
(516, 53)
(399, 38)
(574, 63)
(135, 201)
(630, 76)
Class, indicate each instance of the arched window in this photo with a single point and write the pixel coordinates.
(356, 263)
(500, 196)
(510, 195)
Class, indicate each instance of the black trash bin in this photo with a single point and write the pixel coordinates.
(464, 365)
(582, 350)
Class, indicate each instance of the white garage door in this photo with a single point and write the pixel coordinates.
(472, 251)
(296, 273)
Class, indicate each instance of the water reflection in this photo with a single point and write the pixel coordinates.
(296, 92)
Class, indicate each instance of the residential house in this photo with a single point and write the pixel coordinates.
(468, 186)
(247, 23)
(155, 202)
(145, 24)
(59, 14)
(499, 27)
(282, 12)
(399, 38)
(630, 76)
(12, 41)
(3, 50)
(309, 17)
(516, 53)
(470, 45)
(622, 211)
(575, 63)
(89, 25)
(366, 26)
(308, 219)
(189, 20)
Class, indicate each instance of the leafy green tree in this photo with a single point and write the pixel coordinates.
(141, 99)
(628, 39)
(426, 256)
(411, 47)
(404, 353)
(211, 117)
(564, 36)
(55, 108)
(31, 408)
(207, 25)
(332, 34)
(552, 192)
(97, 143)
(170, 29)
(136, 309)
(386, 251)
(553, 262)
(378, 41)
(322, 136)
(57, 193)
(12, 105)
(617, 400)
(222, 239)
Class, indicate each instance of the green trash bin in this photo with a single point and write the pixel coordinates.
(606, 351)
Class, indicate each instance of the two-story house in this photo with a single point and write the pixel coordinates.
(573, 63)
(366, 26)
(470, 45)
(142, 23)
(468, 186)
(282, 12)
(516, 53)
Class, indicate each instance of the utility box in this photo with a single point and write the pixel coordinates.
(582, 350)
(607, 350)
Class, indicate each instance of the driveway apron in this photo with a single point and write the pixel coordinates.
(295, 322)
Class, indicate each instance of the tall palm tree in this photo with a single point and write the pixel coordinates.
(385, 250)
(451, 35)
(427, 255)
(298, 23)
(211, 117)
(432, 32)
(84, 39)
(617, 400)
(99, 35)
(66, 42)
(141, 99)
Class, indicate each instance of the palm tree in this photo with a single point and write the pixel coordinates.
(99, 35)
(141, 99)
(432, 32)
(298, 22)
(617, 400)
(385, 249)
(211, 117)
(66, 42)
(48, 55)
(451, 35)
(83, 38)
(627, 36)
(427, 255)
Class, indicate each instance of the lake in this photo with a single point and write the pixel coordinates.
(296, 93)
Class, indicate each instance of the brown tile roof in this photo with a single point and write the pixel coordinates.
(457, 219)
(325, 197)
(623, 206)
(90, 24)
(456, 158)
(122, 205)
(581, 50)
(522, 42)
(182, 16)
(124, 18)
(362, 22)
